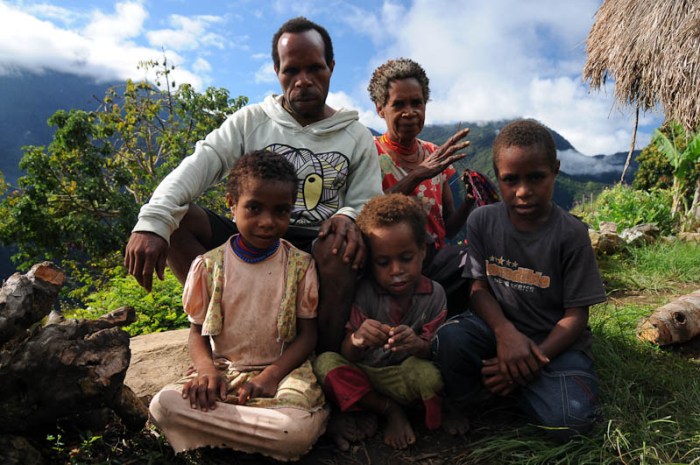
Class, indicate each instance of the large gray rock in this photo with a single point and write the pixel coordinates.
(606, 241)
(642, 234)
(690, 237)
(157, 359)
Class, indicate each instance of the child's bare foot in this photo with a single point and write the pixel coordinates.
(346, 428)
(341, 429)
(453, 421)
(398, 432)
(367, 423)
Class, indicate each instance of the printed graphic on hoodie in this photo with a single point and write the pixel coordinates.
(321, 176)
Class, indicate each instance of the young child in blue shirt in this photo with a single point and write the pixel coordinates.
(533, 276)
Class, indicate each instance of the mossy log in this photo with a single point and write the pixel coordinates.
(674, 323)
(63, 368)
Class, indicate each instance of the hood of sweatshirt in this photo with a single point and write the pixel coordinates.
(272, 106)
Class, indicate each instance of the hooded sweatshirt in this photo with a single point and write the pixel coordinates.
(335, 158)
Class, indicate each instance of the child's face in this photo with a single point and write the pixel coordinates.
(526, 180)
(397, 259)
(262, 211)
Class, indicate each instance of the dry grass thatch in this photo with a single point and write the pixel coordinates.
(651, 48)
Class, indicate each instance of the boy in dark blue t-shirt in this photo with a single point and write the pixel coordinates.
(533, 276)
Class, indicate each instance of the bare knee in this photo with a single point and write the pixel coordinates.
(299, 434)
(190, 239)
(164, 406)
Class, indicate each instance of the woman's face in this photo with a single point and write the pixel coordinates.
(404, 111)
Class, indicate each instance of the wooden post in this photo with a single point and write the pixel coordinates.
(676, 322)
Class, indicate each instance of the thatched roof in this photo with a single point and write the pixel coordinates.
(651, 48)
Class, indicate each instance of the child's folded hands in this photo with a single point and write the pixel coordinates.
(402, 338)
(371, 334)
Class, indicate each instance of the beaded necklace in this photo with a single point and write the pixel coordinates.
(251, 254)
(398, 148)
(407, 158)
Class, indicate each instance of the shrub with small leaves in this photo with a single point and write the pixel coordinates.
(159, 310)
(628, 207)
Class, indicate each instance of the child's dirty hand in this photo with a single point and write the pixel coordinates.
(496, 382)
(258, 386)
(371, 334)
(205, 389)
(403, 339)
(519, 358)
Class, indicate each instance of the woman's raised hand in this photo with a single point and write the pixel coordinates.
(445, 155)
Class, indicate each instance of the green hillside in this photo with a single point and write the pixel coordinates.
(29, 100)
(567, 189)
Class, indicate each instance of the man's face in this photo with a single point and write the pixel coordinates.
(304, 75)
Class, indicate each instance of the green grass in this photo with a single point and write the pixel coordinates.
(655, 268)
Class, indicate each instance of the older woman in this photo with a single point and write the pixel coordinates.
(399, 89)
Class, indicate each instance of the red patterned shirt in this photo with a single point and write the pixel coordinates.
(428, 192)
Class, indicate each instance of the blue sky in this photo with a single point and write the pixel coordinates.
(486, 60)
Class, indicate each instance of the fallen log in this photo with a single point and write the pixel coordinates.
(674, 323)
(64, 368)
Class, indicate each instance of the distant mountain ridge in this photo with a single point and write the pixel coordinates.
(26, 103)
(580, 175)
(598, 168)
(28, 100)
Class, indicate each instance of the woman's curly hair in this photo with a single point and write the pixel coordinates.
(392, 70)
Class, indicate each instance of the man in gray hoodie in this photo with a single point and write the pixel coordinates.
(336, 163)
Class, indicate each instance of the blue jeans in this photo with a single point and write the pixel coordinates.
(563, 398)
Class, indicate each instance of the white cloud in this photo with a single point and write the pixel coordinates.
(53, 12)
(573, 163)
(125, 23)
(105, 48)
(486, 60)
(201, 66)
(187, 33)
(506, 59)
(29, 43)
(368, 118)
(266, 74)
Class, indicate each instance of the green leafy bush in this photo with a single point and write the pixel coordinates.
(160, 310)
(628, 207)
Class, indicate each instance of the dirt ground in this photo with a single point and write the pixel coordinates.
(431, 447)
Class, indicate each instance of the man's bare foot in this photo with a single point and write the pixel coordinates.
(347, 428)
(398, 432)
(453, 421)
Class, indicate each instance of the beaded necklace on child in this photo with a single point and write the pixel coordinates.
(251, 254)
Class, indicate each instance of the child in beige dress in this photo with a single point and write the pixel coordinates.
(252, 307)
